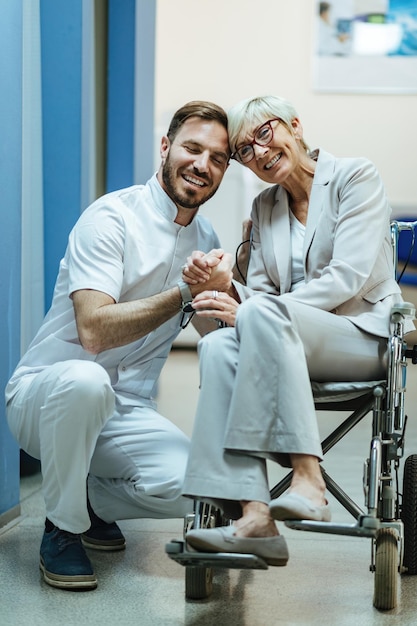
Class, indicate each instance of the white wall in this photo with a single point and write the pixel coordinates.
(226, 50)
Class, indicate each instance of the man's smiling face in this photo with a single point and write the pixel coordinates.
(195, 162)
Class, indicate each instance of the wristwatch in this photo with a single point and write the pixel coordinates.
(186, 296)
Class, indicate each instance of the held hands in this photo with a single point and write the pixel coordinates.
(211, 270)
(210, 278)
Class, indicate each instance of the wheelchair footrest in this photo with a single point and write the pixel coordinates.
(366, 526)
(177, 551)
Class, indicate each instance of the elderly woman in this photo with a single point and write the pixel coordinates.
(316, 306)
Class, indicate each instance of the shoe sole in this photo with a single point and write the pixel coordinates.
(243, 546)
(82, 582)
(96, 544)
(274, 562)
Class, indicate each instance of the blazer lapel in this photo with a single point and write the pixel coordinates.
(322, 176)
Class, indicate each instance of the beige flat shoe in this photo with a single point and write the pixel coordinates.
(273, 550)
(292, 506)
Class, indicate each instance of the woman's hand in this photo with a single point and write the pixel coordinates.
(216, 305)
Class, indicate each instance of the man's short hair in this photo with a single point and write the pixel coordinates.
(196, 108)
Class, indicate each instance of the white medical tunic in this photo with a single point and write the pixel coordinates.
(127, 245)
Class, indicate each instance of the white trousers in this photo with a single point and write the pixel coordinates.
(255, 398)
(69, 417)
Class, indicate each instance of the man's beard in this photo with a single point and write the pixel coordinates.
(186, 199)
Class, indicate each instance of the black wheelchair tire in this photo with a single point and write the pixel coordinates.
(409, 514)
(198, 582)
(386, 569)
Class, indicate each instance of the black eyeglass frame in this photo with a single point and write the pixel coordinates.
(235, 156)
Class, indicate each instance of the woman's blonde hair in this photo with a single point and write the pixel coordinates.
(249, 113)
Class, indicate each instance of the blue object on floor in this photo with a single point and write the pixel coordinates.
(405, 243)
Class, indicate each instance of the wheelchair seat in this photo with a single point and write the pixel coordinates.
(328, 396)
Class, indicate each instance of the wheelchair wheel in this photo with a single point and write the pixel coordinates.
(386, 569)
(409, 514)
(198, 582)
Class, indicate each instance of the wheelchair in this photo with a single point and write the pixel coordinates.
(389, 517)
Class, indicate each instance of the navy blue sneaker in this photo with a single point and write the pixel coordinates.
(101, 535)
(64, 563)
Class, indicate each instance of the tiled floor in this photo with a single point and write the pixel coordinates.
(326, 583)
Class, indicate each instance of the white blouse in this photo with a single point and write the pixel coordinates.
(297, 241)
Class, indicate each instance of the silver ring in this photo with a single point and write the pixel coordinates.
(184, 267)
(214, 294)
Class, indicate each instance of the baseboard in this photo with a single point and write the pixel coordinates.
(9, 518)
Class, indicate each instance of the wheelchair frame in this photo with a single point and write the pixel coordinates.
(390, 519)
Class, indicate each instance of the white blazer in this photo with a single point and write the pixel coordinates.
(347, 251)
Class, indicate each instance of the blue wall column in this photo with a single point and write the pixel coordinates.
(10, 184)
(130, 97)
(61, 62)
(120, 89)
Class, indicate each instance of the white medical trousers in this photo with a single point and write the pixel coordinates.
(69, 417)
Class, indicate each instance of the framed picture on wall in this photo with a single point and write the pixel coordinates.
(365, 46)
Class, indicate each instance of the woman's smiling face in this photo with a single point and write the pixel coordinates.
(274, 162)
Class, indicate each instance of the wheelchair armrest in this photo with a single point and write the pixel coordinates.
(403, 310)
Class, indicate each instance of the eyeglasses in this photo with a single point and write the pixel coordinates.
(262, 137)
